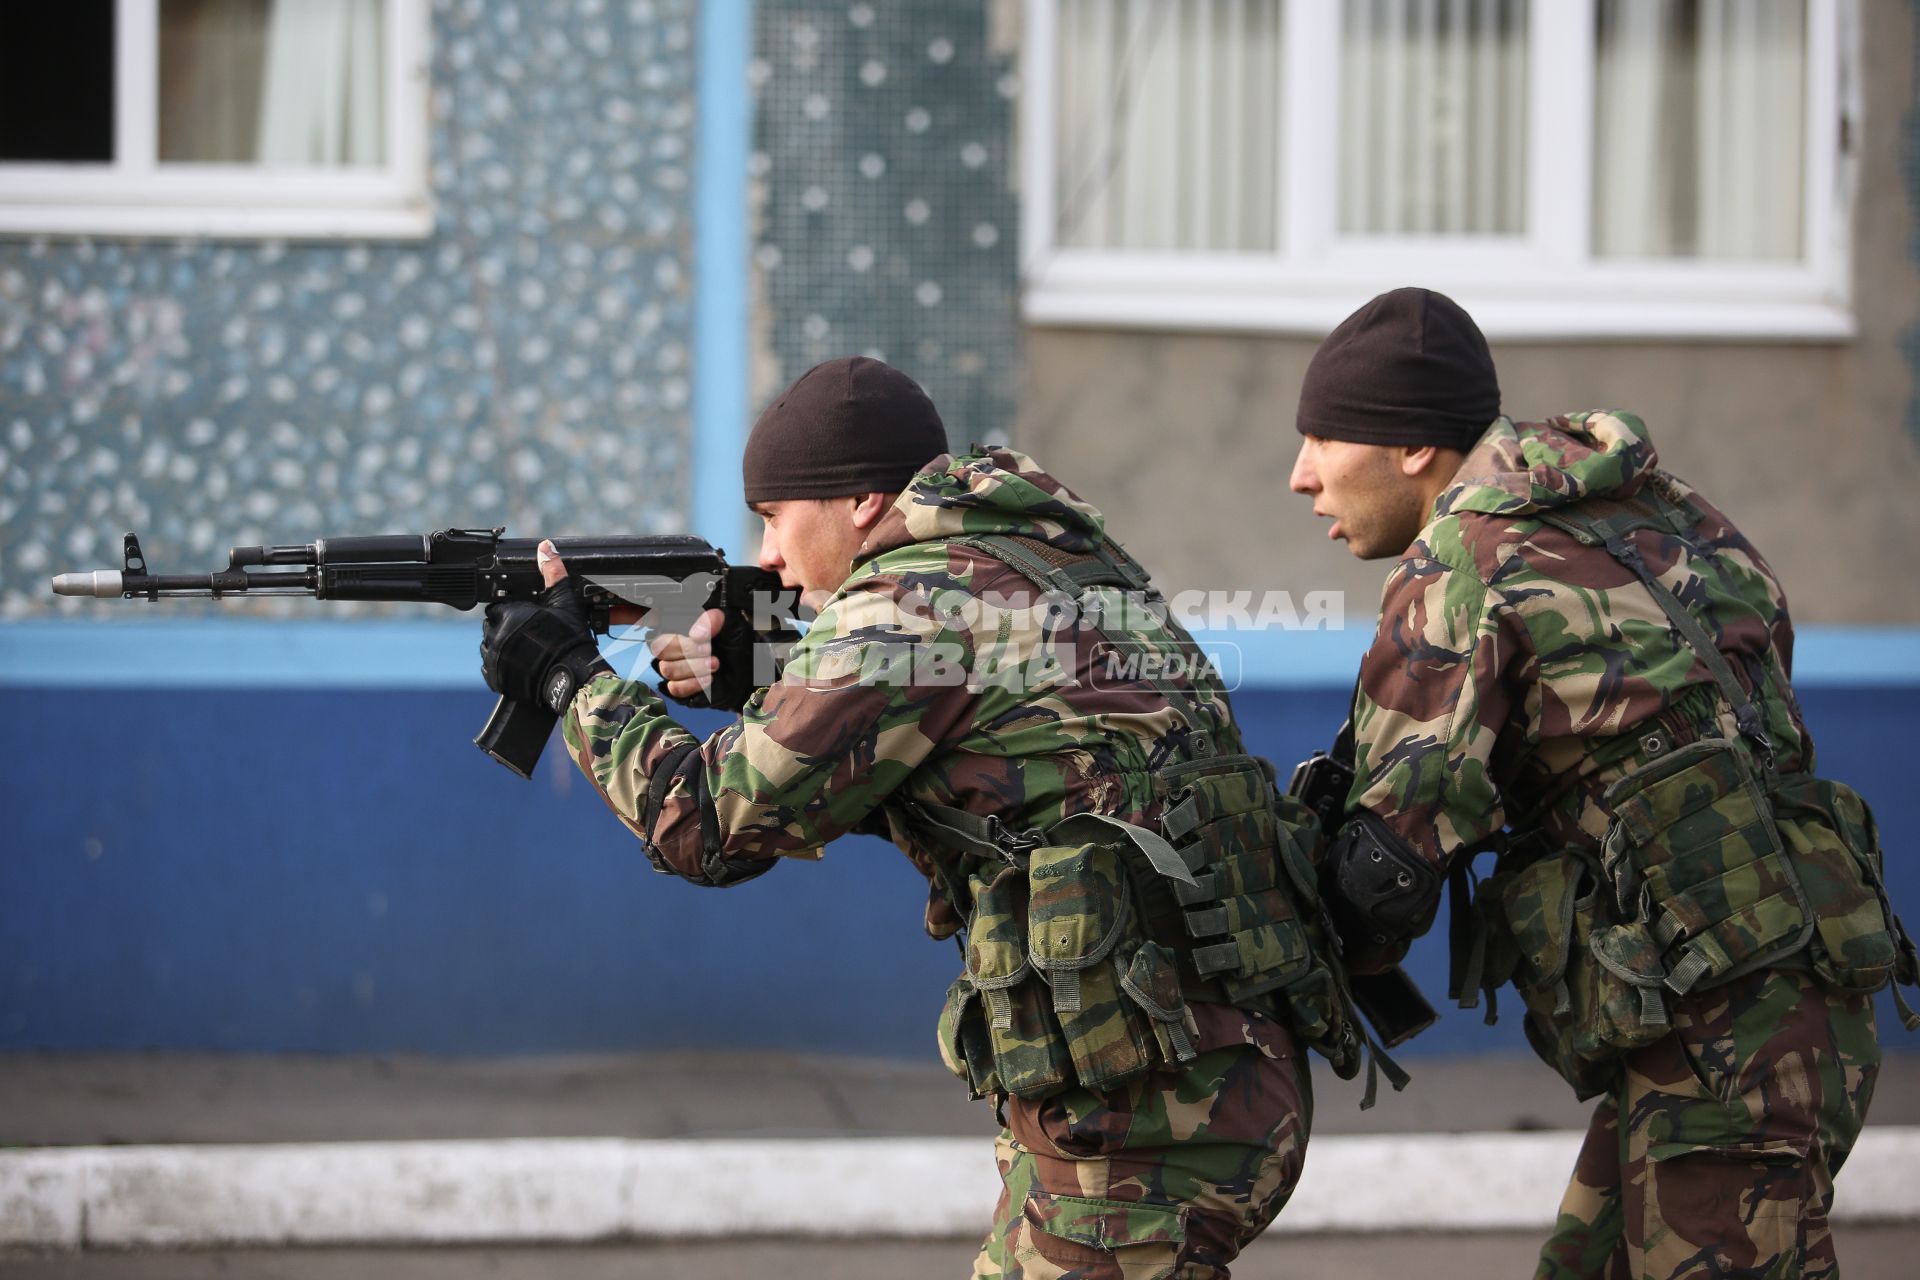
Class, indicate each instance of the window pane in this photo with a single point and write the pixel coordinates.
(1168, 128)
(1699, 110)
(1433, 117)
(212, 54)
(56, 92)
(280, 82)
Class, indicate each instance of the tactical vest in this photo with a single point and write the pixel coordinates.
(1086, 943)
(1714, 864)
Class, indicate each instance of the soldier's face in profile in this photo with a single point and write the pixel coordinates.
(810, 543)
(1376, 508)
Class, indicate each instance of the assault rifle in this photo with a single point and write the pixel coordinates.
(672, 577)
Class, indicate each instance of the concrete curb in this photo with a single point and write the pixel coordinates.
(579, 1190)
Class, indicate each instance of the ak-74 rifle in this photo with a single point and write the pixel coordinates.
(672, 577)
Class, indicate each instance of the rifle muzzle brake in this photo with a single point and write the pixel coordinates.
(103, 584)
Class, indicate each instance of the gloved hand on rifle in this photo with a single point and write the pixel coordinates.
(541, 651)
(547, 649)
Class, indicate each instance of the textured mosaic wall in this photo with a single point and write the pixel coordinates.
(527, 365)
(883, 188)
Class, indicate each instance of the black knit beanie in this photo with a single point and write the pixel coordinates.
(846, 427)
(1408, 368)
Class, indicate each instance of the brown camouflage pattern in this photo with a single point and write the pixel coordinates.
(1169, 1176)
(1521, 679)
(1737, 1124)
(1508, 652)
(823, 749)
(929, 679)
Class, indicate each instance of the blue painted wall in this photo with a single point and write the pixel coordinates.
(339, 870)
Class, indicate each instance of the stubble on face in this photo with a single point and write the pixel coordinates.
(1376, 508)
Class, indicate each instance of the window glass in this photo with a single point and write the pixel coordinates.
(275, 82)
(56, 92)
(1168, 125)
(212, 56)
(1698, 128)
(1433, 117)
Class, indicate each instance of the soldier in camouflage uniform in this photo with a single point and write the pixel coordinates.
(1582, 664)
(1142, 971)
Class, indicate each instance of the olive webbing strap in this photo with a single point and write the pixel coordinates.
(960, 832)
(1072, 575)
(1121, 562)
(968, 832)
(1379, 1061)
(1612, 533)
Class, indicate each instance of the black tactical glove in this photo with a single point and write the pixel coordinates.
(540, 652)
(1381, 892)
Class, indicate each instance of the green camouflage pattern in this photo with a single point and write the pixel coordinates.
(1077, 915)
(1521, 679)
(1514, 666)
(1695, 829)
(917, 682)
(1169, 1176)
(1028, 1053)
(1735, 1127)
(934, 677)
(1834, 845)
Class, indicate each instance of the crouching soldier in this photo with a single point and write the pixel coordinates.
(1144, 961)
(1582, 664)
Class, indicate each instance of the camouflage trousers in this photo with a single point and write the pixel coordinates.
(1170, 1176)
(1715, 1153)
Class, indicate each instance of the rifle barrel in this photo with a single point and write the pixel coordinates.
(111, 584)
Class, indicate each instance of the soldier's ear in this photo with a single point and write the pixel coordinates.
(1416, 462)
(868, 509)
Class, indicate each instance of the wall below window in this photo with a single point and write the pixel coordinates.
(340, 871)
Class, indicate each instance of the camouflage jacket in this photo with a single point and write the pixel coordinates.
(930, 676)
(1516, 672)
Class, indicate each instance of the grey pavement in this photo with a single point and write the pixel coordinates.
(85, 1099)
(1866, 1253)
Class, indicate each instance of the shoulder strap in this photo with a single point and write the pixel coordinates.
(1611, 527)
(1073, 573)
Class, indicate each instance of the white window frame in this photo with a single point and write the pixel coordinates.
(1543, 284)
(136, 195)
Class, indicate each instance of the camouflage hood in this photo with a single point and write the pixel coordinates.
(1522, 468)
(996, 492)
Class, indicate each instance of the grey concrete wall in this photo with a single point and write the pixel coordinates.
(1187, 439)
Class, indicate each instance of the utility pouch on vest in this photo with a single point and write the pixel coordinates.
(1694, 854)
(1590, 988)
(1830, 835)
(965, 1047)
(1029, 1051)
(1080, 909)
(1247, 934)
(1254, 913)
